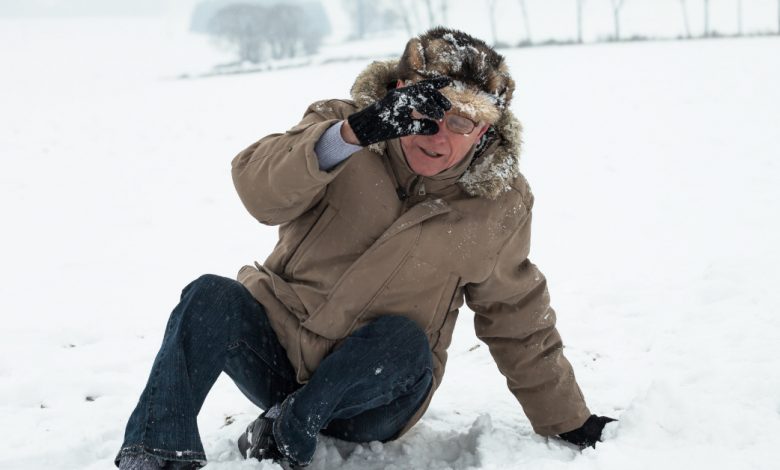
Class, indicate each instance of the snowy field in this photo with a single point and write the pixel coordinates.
(657, 181)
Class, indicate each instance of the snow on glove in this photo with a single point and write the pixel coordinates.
(589, 433)
(391, 116)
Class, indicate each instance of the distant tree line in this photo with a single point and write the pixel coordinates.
(417, 15)
(617, 7)
(259, 33)
(262, 30)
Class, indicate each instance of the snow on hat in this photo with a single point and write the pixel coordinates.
(482, 87)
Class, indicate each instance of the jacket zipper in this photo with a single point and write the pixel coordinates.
(410, 191)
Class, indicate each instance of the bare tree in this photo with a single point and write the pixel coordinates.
(579, 20)
(684, 7)
(431, 16)
(243, 26)
(374, 15)
(406, 19)
(257, 31)
(362, 17)
(407, 12)
(617, 5)
(739, 17)
(285, 30)
(526, 22)
(706, 18)
(416, 14)
(491, 4)
(360, 13)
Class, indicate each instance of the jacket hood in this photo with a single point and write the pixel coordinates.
(495, 163)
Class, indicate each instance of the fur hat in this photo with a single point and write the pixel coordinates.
(482, 87)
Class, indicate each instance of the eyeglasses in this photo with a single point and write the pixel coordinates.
(454, 122)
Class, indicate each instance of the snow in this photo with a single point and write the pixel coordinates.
(655, 171)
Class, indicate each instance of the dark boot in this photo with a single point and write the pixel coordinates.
(258, 440)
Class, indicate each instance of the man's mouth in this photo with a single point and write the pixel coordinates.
(431, 154)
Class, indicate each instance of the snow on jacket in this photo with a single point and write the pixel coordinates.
(350, 250)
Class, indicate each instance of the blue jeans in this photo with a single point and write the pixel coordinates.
(367, 389)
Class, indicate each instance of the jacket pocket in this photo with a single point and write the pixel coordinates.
(309, 239)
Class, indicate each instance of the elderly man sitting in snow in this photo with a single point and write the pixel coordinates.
(393, 209)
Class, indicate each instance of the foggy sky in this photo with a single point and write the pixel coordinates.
(59, 8)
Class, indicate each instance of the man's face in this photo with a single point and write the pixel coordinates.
(429, 155)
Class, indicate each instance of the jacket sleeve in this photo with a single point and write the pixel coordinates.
(514, 318)
(278, 177)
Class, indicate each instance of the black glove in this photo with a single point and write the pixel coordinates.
(589, 433)
(391, 116)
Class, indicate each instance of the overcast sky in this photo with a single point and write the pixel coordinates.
(75, 8)
(85, 7)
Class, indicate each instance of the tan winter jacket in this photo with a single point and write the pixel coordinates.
(350, 250)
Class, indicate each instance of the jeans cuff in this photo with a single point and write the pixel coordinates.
(294, 440)
(196, 457)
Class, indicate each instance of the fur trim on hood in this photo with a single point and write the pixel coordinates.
(496, 159)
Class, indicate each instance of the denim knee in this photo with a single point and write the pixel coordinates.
(211, 284)
(208, 299)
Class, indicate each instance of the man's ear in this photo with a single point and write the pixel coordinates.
(483, 130)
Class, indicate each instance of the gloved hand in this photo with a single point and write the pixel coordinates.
(391, 116)
(589, 433)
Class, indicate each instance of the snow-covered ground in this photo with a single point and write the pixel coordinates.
(656, 174)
